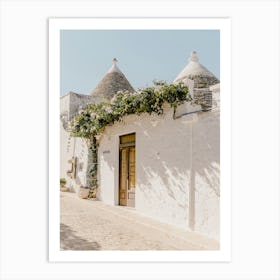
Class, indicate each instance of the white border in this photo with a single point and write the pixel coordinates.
(222, 24)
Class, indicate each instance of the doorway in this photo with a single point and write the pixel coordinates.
(127, 170)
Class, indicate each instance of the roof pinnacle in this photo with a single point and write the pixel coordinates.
(195, 70)
(114, 67)
(193, 57)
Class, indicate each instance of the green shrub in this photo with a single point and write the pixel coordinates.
(63, 181)
(92, 120)
(95, 117)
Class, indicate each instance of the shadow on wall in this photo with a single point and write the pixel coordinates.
(205, 170)
(206, 151)
(166, 166)
(171, 178)
(181, 173)
(70, 241)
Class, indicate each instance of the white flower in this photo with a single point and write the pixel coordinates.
(113, 99)
(108, 109)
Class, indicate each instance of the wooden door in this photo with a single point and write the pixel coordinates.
(123, 176)
(127, 171)
(131, 177)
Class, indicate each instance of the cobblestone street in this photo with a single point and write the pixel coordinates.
(92, 225)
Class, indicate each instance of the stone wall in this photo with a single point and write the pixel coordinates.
(203, 97)
(200, 91)
(72, 102)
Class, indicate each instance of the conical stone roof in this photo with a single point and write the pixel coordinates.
(112, 82)
(196, 71)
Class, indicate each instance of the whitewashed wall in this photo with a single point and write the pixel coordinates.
(72, 147)
(177, 168)
(177, 164)
(205, 179)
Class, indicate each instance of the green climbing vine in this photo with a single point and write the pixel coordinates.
(91, 173)
(93, 119)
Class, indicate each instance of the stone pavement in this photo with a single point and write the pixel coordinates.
(93, 225)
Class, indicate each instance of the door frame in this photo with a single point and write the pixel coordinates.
(120, 147)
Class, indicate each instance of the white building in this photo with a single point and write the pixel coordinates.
(166, 168)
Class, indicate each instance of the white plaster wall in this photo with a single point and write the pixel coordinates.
(108, 166)
(66, 143)
(70, 147)
(206, 173)
(177, 168)
(162, 170)
(66, 148)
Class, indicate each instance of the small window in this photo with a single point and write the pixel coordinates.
(129, 138)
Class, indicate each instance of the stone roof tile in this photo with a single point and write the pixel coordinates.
(195, 70)
(112, 82)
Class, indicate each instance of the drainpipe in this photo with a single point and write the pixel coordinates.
(191, 193)
(198, 111)
(191, 185)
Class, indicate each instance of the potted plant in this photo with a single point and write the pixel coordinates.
(83, 192)
(63, 182)
(94, 192)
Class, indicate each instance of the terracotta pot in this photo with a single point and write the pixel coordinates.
(64, 188)
(94, 191)
(83, 193)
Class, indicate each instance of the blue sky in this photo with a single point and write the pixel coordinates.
(143, 55)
